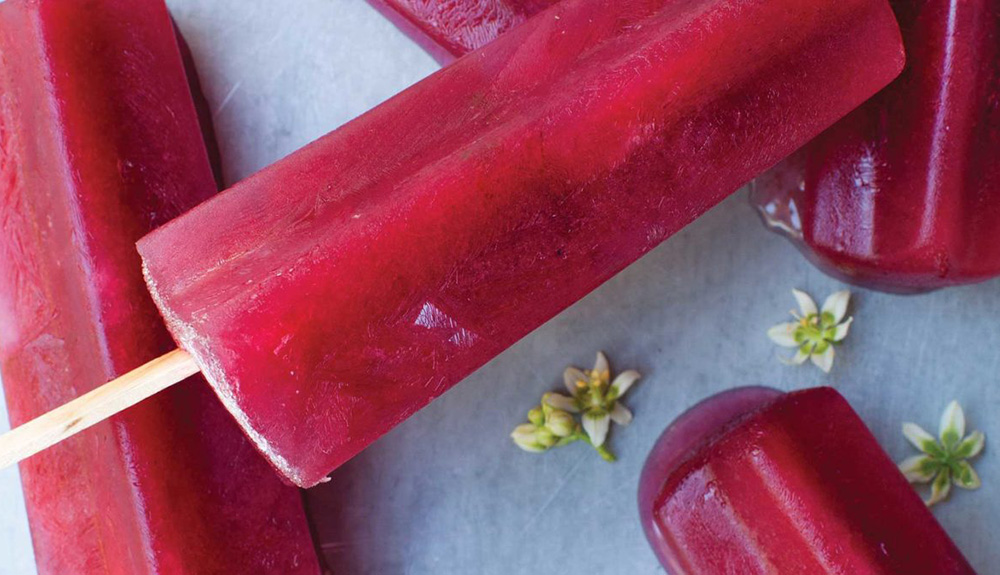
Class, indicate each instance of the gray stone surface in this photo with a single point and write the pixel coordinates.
(446, 492)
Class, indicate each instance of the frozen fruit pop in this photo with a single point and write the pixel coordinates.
(338, 291)
(456, 27)
(753, 481)
(333, 294)
(99, 143)
(903, 195)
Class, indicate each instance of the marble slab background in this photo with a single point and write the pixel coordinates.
(446, 493)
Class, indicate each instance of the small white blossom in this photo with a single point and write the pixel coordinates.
(944, 460)
(815, 331)
(596, 396)
(593, 395)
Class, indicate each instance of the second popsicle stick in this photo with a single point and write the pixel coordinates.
(95, 406)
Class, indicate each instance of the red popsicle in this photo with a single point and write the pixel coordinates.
(99, 143)
(333, 294)
(454, 28)
(904, 194)
(785, 483)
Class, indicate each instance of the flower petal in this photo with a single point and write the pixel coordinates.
(783, 334)
(623, 383)
(596, 424)
(621, 415)
(841, 330)
(952, 428)
(919, 468)
(971, 446)
(940, 488)
(824, 360)
(571, 376)
(601, 365)
(560, 401)
(921, 439)
(799, 358)
(806, 303)
(965, 476)
(836, 305)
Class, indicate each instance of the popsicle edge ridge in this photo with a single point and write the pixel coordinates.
(187, 339)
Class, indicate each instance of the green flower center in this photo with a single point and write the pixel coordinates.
(816, 332)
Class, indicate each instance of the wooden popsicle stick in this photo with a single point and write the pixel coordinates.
(95, 406)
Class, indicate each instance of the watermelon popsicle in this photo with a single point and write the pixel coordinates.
(99, 143)
(336, 292)
(754, 481)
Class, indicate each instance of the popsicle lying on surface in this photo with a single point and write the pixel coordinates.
(335, 293)
(903, 195)
(347, 288)
(99, 144)
(753, 481)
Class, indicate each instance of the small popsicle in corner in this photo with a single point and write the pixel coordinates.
(753, 481)
(99, 143)
(340, 290)
(903, 195)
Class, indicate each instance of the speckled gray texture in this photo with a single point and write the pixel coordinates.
(446, 492)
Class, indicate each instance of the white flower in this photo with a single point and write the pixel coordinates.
(944, 460)
(596, 396)
(815, 331)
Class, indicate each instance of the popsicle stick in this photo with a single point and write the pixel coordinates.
(95, 406)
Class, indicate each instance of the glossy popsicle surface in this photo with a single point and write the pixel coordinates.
(99, 144)
(904, 194)
(333, 294)
(797, 485)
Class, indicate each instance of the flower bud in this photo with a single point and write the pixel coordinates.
(545, 437)
(536, 416)
(526, 437)
(559, 401)
(561, 423)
